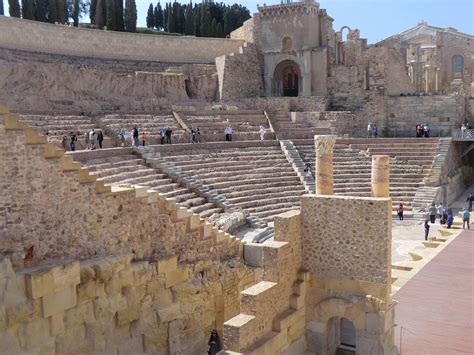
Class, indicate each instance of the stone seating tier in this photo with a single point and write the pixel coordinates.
(256, 178)
(287, 129)
(124, 168)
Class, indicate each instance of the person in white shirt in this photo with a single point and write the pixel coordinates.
(228, 134)
(262, 133)
(463, 130)
(369, 130)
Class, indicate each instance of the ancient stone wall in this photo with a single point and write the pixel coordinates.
(248, 31)
(301, 103)
(111, 305)
(41, 37)
(345, 245)
(56, 208)
(240, 74)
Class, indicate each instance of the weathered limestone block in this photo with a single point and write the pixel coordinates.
(177, 276)
(380, 176)
(128, 315)
(169, 313)
(33, 333)
(56, 324)
(83, 313)
(167, 265)
(39, 283)
(59, 301)
(324, 168)
(239, 332)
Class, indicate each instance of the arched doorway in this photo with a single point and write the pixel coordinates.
(341, 337)
(286, 80)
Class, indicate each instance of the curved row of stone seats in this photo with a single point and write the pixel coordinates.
(352, 172)
(57, 126)
(120, 167)
(287, 129)
(255, 177)
(151, 124)
(245, 125)
(417, 151)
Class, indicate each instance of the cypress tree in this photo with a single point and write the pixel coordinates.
(171, 25)
(27, 9)
(119, 23)
(158, 17)
(2, 11)
(205, 27)
(100, 14)
(92, 10)
(75, 13)
(111, 22)
(40, 10)
(197, 20)
(130, 15)
(60, 11)
(52, 11)
(219, 31)
(165, 18)
(181, 18)
(14, 8)
(213, 28)
(150, 16)
(189, 20)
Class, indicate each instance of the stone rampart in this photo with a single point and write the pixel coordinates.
(114, 306)
(53, 208)
(41, 37)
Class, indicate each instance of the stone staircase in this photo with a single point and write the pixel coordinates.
(256, 178)
(57, 126)
(288, 130)
(298, 164)
(245, 124)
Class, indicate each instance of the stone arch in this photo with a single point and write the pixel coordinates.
(287, 79)
(342, 32)
(457, 66)
(287, 43)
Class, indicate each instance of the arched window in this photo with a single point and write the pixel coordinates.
(458, 67)
(287, 44)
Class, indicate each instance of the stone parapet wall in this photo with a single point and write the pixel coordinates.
(41, 37)
(53, 208)
(301, 103)
(111, 305)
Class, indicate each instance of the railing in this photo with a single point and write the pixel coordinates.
(467, 134)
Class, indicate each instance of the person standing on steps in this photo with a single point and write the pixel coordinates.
(214, 343)
(433, 212)
(162, 136)
(370, 129)
(228, 134)
(100, 138)
(168, 135)
(400, 211)
(87, 141)
(122, 137)
(376, 131)
(466, 216)
(307, 170)
(262, 133)
(72, 141)
(92, 139)
(427, 230)
(450, 219)
(143, 138)
(198, 135)
(135, 136)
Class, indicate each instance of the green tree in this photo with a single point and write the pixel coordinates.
(119, 18)
(189, 20)
(61, 11)
(27, 9)
(171, 25)
(205, 25)
(219, 31)
(181, 18)
(100, 14)
(130, 16)
(52, 11)
(75, 12)
(92, 10)
(40, 11)
(150, 16)
(165, 17)
(213, 28)
(111, 22)
(14, 8)
(158, 17)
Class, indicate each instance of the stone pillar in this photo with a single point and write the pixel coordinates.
(324, 170)
(380, 175)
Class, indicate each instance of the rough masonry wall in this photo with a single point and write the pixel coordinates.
(41, 37)
(114, 306)
(241, 74)
(338, 241)
(50, 209)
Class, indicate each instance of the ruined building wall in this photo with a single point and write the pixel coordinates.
(241, 74)
(52, 204)
(34, 81)
(41, 37)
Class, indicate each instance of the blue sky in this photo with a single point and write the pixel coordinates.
(376, 19)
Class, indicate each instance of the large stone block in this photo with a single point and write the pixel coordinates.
(177, 276)
(59, 301)
(39, 283)
(128, 315)
(169, 313)
(167, 265)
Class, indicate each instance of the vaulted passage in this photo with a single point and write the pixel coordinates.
(286, 80)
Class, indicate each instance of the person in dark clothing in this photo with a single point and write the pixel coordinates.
(198, 135)
(100, 138)
(168, 135)
(135, 136)
(73, 141)
(214, 343)
(400, 211)
(427, 230)
(469, 200)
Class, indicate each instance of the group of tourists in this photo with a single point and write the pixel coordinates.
(195, 136)
(465, 127)
(93, 139)
(446, 216)
(165, 136)
(372, 130)
(422, 130)
(69, 142)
